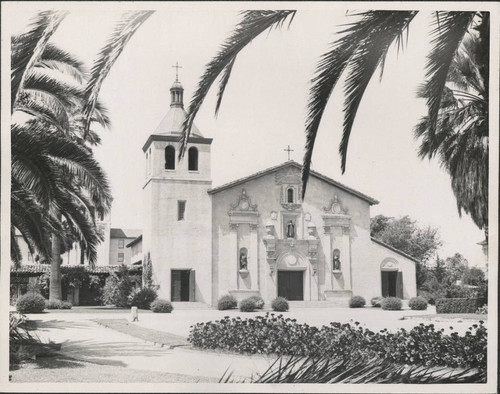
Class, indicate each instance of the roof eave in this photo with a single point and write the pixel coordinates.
(239, 181)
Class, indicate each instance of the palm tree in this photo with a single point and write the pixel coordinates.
(461, 137)
(55, 180)
(359, 51)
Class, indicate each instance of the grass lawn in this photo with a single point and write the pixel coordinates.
(146, 334)
(70, 370)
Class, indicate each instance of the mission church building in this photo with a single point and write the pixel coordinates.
(255, 235)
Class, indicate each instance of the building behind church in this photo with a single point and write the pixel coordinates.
(255, 235)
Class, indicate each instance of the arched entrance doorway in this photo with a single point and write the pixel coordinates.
(392, 279)
(293, 277)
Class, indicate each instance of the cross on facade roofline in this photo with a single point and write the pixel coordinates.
(176, 71)
(288, 150)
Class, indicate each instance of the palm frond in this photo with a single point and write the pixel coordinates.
(253, 23)
(123, 32)
(222, 86)
(362, 44)
(15, 250)
(32, 46)
(447, 34)
(43, 106)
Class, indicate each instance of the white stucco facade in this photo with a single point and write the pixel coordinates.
(255, 236)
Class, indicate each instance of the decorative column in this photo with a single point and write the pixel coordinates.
(254, 257)
(312, 254)
(233, 256)
(270, 242)
(337, 226)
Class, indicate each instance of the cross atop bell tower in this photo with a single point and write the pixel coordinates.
(176, 71)
(176, 91)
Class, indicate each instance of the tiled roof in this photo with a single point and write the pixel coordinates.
(217, 189)
(124, 233)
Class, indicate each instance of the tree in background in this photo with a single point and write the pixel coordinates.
(404, 234)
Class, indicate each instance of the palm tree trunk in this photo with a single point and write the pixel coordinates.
(55, 290)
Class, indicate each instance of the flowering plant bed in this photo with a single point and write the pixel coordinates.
(271, 334)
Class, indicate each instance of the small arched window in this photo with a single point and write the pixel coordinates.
(170, 158)
(289, 194)
(193, 159)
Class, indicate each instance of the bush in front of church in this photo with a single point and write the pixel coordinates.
(259, 302)
(161, 306)
(357, 302)
(418, 303)
(247, 305)
(280, 304)
(30, 303)
(142, 298)
(227, 302)
(377, 302)
(392, 304)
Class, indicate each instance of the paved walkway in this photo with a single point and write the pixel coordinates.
(85, 340)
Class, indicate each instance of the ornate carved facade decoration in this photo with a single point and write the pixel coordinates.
(244, 212)
(289, 179)
(336, 216)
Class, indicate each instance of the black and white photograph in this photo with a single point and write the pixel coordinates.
(249, 196)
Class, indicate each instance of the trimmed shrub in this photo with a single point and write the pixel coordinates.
(418, 303)
(259, 302)
(161, 306)
(357, 302)
(392, 304)
(458, 305)
(142, 298)
(247, 305)
(280, 304)
(30, 303)
(226, 302)
(377, 301)
(270, 334)
(54, 304)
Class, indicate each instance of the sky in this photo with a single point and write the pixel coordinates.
(264, 108)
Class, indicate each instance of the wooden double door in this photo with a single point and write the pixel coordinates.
(291, 285)
(182, 285)
(392, 284)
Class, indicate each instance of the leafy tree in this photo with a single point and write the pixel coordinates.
(404, 234)
(456, 267)
(439, 270)
(474, 277)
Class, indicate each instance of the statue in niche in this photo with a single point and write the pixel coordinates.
(243, 259)
(336, 260)
(290, 230)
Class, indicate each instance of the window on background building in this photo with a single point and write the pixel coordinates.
(181, 209)
(289, 195)
(170, 158)
(120, 257)
(121, 243)
(193, 159)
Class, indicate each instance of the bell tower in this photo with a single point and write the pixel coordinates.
(177, 224)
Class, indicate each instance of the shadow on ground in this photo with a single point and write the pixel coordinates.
(45, 325)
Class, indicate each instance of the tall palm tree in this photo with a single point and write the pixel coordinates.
(461, 136)
(55, 180)
(359, 50)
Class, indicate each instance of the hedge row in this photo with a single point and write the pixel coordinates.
(459, 305)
